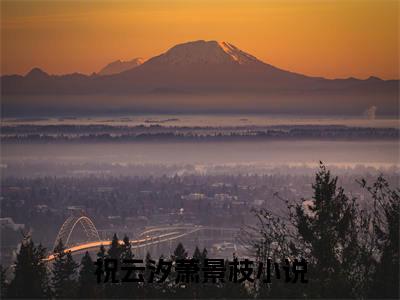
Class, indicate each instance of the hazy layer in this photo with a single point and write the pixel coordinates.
(208, 120)
(376, 153)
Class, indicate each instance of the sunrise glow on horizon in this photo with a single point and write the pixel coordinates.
(333, 39)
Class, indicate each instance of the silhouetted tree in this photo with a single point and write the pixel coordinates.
(200, 256)
(128, 289)
(101, 255)
(197, 253)
(64, 273)
(147, 264)
(180, 252)
(324, 231)
(204, 254)
(115, 249)
(126, 251)
(329, 233)
(385, 281)
(87, 285)
(30, 273)
(113, 290)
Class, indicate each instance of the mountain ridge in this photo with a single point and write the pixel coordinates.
(225, 45)
(210, 68)
(119, 66)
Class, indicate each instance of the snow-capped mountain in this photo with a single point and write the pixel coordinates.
(207, 65)
(119, 66)
(212, 68)
(205, 52)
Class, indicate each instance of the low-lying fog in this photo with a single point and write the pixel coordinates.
(191, 120)
(337, 153)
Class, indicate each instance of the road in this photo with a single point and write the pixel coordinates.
(180, 231)
(139, 243)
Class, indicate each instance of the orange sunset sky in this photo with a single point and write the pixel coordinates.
(330, 38)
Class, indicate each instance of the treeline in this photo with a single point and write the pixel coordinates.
(350, 134)
(103, 133)
(34, 277)
(352, 250)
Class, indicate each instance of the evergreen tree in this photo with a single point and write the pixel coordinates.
(204, 254)
(126, 251)
(197, 256)
(147, 263)
(64, 273)
(115, 250)
(101, 255)
(385, 281)
(180, 252)
(200, 256)
(30, 272)
(128, 289)
(324, 231)
(87, 285)
(197, 253)
(113, 290)
(3, 283)
(329, 232)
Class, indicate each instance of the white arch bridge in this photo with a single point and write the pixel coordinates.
(150, 237)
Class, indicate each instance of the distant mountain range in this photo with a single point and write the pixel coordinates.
(204, 68)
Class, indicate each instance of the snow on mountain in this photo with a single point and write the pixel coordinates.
(211, 68)
(238, 55)
(121, 66)
(204, 52)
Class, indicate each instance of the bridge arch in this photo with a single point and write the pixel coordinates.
(69, 225)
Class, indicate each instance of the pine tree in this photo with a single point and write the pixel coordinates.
(115, 250)
(329, 232)
(64, 273)
(147, 263)
(324, 231)
(204, 254)
(30, 272)
(128, 289)
(87, 285)
(126, 251)
(101, 255)
(180, 252)
(350, 252)
(197, 254)
(200, 256)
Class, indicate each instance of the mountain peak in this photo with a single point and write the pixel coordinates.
(205, 52)
(37, 73)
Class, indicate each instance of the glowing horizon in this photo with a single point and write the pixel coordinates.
(332, 39)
